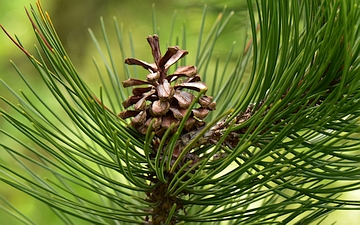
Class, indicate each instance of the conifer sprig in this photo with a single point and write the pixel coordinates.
(284, 133)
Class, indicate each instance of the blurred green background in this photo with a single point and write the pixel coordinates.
(72, 18)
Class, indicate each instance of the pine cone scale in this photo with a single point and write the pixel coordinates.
(139, 118)
(145, 65)
(154, 44)
(180, 54)
(196, 86)
(140, 91)
(186, 70)
(178, 112)
(127, 114)
(133, 82)
(169, 53)
(184, 98)
(159, 108)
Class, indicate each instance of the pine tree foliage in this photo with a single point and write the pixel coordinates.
(281, 147)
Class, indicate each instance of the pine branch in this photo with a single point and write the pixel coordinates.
(284, 132)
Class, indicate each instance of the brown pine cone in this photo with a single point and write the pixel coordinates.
(163, 97)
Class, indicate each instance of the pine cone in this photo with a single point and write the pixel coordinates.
(164, 97)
